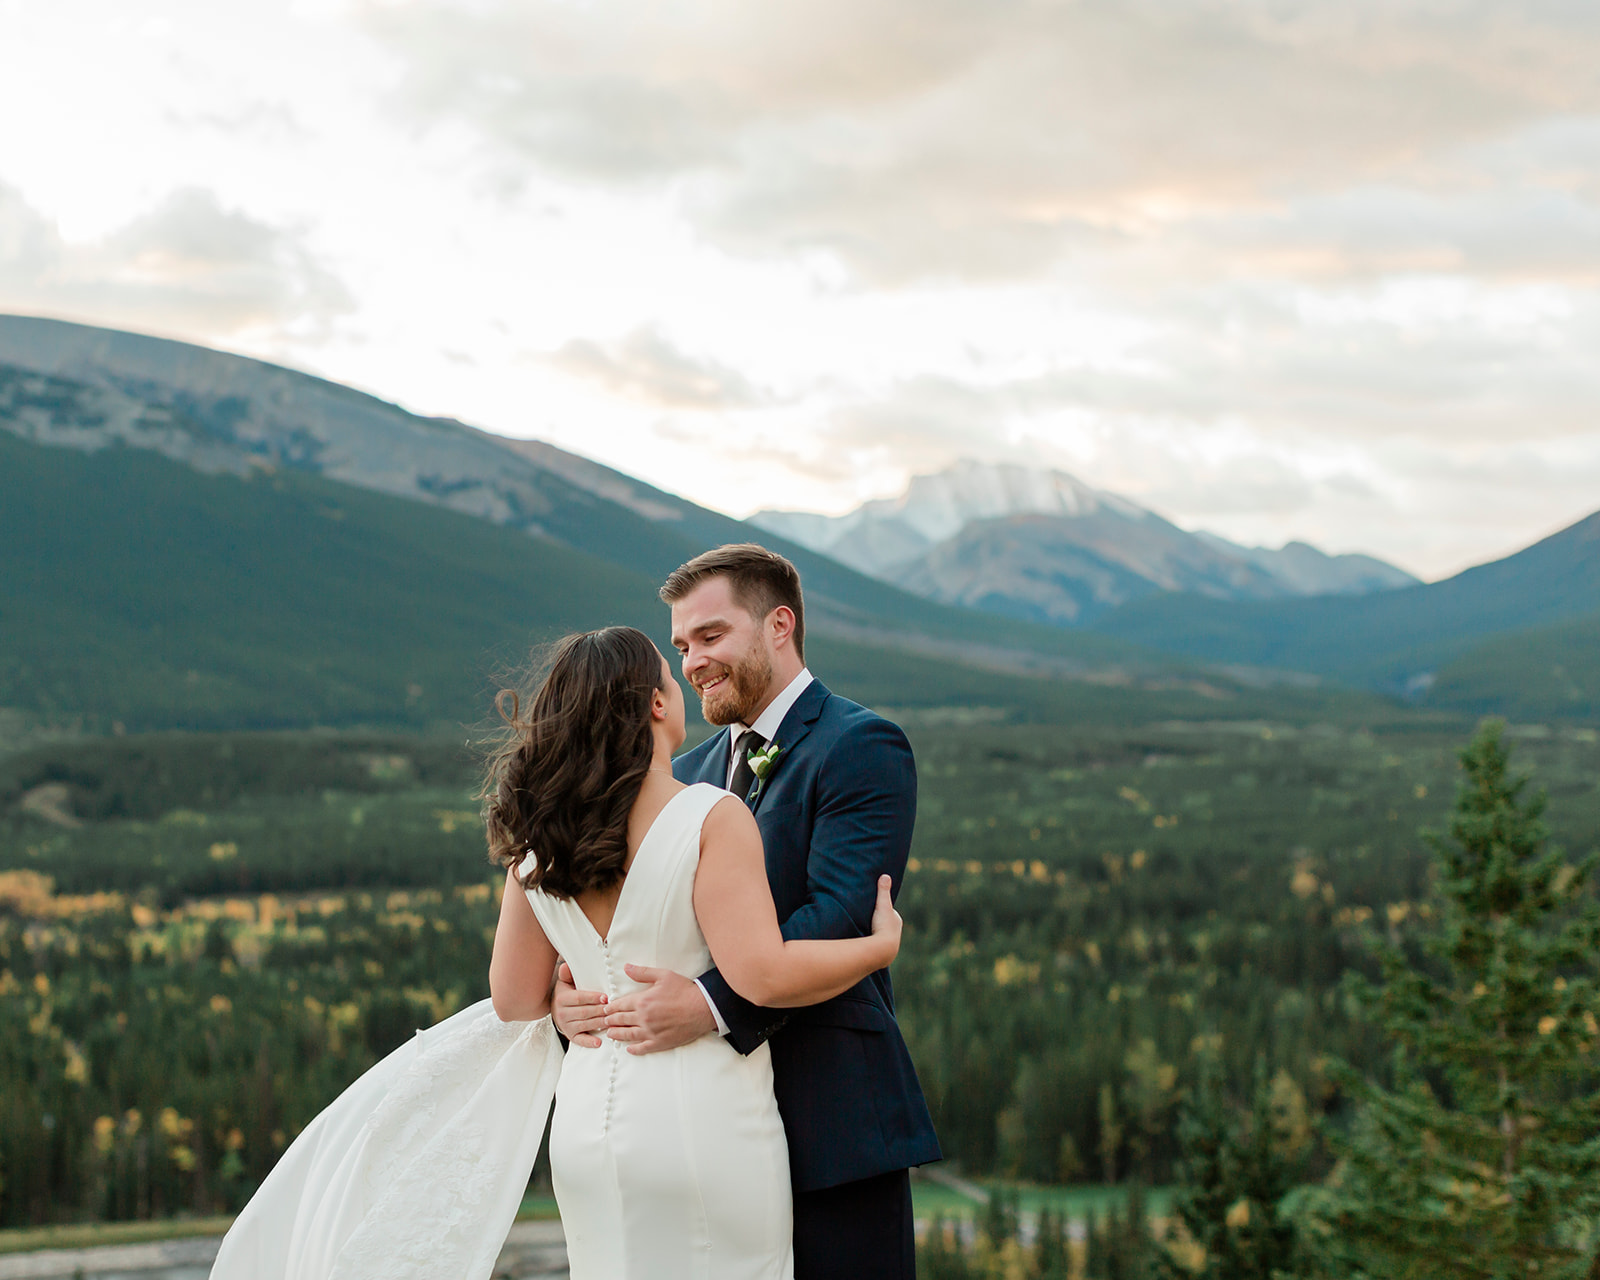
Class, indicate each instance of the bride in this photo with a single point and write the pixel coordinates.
(665, 1165)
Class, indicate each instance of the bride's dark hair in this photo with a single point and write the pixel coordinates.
(561, 781)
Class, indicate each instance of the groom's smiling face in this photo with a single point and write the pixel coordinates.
(725, 653)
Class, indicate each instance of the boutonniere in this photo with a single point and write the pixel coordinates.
(762, 763)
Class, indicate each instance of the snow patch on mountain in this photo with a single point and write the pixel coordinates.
(1044, 545)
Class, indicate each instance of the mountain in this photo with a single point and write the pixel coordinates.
(86, 388)
(1068, 570)
(1044, 546)
(880, 535)
(141, 594)
(200, 540)
(1545, 673)
(1402, 641)
(1305, 570)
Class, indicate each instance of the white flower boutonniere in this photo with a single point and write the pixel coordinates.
(762, 763)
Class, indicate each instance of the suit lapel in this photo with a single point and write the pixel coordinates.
(796, 725)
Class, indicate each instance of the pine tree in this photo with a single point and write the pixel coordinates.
(1051, 1258)
(1121, 1249)
(941, 1257)
(1483, 1159)
(1094, 1246)
(1001, 1216)
(1136, 1246)
(1235, 1179)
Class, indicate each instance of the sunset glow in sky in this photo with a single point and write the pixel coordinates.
(1325, 270)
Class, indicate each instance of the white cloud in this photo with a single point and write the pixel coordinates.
(188, 264)
(644, 366)
(1321, 270)
(983, 137)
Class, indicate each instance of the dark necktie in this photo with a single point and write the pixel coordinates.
(743, 775)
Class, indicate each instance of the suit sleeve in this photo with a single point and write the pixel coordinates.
(866, 808)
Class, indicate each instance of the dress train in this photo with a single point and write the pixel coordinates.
(414, 1172)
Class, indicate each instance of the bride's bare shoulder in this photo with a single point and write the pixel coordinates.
(728, 819)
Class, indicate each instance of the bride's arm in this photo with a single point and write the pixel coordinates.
(733, 904)
(523, 963)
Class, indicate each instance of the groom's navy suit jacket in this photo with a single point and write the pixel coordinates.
(835, 813)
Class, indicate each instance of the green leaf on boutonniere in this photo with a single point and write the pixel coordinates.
(762, 763)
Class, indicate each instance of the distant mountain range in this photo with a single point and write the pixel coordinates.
(1520, 636)
(86, 388)
(1529, 620)
(195, 539)
(1044, 546)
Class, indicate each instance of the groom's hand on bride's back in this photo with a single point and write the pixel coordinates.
(578, 1015)
(669, 1012)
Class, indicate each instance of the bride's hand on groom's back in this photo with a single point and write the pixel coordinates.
(578, 1015)
(886, 922)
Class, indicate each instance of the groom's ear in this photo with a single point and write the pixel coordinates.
(780, 625)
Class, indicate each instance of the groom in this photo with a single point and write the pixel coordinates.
(834, 791)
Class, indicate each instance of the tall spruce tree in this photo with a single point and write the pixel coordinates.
(941, 1256)
(1235, 1174)
(1052, 1257)
(1483, 1158)
(1002, 1216)
(1094, 1246)
(1121, 1248)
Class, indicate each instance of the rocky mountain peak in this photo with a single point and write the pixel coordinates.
(1043, 545)
(940, 505)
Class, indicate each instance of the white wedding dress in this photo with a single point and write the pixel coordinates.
(666, 1165)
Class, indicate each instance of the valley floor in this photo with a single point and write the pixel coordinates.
(203, 938)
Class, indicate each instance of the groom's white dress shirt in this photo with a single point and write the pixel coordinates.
(767, 725)
(769, 721)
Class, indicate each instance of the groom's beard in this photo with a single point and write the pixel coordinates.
(737, 698)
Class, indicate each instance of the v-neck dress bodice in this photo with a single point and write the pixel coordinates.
(666, 1164)
(654, 922)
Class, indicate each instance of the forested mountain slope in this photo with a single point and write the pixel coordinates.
(87, 388)
(198, 538)
(1547, 673)
(138, 591)
(1399, 641)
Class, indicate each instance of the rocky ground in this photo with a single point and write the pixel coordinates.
(533, 1251)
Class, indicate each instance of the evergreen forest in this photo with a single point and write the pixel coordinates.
(1122, 945)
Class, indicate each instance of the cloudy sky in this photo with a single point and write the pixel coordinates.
(1327, 270)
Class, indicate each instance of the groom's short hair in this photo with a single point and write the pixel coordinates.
(761, 580)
